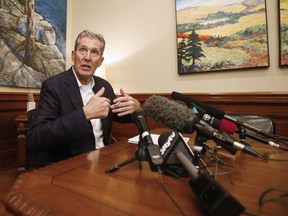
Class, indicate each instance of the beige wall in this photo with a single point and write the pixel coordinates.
(141, 49)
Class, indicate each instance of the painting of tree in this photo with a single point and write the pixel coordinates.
(221, 35)
(32, 41)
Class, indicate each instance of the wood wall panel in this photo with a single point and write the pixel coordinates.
(273, 105)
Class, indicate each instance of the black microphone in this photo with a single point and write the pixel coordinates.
(171, 142)
(214, 198)
(180, 118)
(217, 113)
(222, 124)
(262, 140)
(139, 119)
(209, 121)
(227, 126)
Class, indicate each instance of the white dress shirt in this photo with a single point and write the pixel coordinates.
(86, 94)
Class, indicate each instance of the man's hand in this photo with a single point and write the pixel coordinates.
(125, 104)
(98, 106)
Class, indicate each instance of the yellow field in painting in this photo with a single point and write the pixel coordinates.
(229, 29)
(199, 14)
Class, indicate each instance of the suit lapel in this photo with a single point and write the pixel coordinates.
(73, 89)
(96, 87)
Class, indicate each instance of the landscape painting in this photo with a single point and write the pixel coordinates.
(221, 35)
(283, 32)
(32, 41)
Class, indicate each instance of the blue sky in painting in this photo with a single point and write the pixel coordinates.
(55, 12)
(181, 4)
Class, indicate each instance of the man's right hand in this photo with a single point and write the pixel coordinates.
(98, 106)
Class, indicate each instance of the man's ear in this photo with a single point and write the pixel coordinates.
(102, 59)
(73, 55)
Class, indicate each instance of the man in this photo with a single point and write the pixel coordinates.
(76, 108)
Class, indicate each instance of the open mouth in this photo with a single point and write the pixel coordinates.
(86, 67)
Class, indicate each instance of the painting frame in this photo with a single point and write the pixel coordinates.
(283, 32)
(209, 41)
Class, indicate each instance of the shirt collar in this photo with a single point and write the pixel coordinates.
(91, 83)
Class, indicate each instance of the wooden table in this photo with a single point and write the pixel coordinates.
(80, 186)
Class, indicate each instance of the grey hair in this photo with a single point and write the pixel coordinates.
(90, 34)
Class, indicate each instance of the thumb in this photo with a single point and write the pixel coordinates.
(123, 93)
(100, 92)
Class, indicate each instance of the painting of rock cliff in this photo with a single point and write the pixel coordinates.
(221, 35)
(32, 41)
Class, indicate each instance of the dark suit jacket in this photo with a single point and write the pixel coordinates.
(60, 129)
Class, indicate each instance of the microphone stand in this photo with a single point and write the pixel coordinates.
(141, 154)
(242, 134)
(200, 141)
(200, 147)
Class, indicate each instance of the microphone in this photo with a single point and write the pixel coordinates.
(228, 126)
(209, 121)
(171, 142)
(214, 198)
(223, 124)
(174, 115)
(267, 142)
(217, 113)
(180, 118)
(140, 120)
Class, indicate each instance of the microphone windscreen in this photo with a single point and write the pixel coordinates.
(172, 114)
(208, 109)
(228, 126)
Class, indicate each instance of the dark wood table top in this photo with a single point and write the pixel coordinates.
(80, 186)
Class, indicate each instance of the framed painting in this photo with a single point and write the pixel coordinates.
(283, 32)
(32, 41)
(221, 35)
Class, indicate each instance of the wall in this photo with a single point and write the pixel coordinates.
(141, 49)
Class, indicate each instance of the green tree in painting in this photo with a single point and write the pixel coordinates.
(181, 52)
(193, 49)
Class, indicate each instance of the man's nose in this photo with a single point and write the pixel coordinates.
(88, 55)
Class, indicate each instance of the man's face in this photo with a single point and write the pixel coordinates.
(87, 57)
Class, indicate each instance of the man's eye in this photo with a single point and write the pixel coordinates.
(94, 52)
(82, 51)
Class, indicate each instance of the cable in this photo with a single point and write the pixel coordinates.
(217, 163)
(167, 192)
(262, 199)
(272, 159)
(251, 213)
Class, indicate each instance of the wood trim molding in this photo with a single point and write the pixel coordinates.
(271, 104)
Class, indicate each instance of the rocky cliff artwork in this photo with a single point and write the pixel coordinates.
(32, 41)
(221, 35)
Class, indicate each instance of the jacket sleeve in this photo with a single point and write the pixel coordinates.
(53, 127)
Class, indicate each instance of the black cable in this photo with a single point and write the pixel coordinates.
(167, 192)
(262, 199)
(252, 213)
